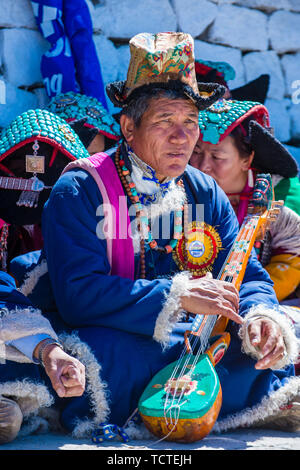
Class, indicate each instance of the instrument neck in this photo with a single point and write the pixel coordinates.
(232, 272)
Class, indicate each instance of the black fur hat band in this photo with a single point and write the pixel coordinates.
(208, 92)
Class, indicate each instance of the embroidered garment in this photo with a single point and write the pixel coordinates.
(135, 326)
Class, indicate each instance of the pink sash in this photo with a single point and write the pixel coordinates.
(116, 227)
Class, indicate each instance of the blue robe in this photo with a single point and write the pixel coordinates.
(116, 316)
(19, 380)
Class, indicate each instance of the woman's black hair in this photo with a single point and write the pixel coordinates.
(241, 139)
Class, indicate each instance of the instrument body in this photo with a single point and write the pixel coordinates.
(202, 397)
(183, 400)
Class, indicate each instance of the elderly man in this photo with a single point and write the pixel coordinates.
(124, 283)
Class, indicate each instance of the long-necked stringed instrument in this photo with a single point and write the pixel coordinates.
(183, 400)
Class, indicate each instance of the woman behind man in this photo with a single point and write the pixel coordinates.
(235, 144)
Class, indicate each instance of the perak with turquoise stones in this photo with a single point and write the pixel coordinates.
(217, 121)
(42, 125)
(71, 106)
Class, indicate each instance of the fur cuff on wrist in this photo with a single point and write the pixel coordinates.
(289, 338)
(172, 311)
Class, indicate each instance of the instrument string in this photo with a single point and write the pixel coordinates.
(234, 255)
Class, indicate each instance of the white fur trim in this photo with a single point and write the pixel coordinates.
(138, 432)
(36, 425)
(32, 278)
(290, 340)
(165, 204)
(19, 323)
(30, 396)
(285, 232)
(269, 406)
(95, 387)
(172, 311)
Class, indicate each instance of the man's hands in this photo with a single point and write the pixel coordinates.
(265, 335)
(66, 373)
(209, 296)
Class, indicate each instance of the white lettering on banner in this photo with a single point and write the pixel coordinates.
(296, 94)
(161, 227)
(54, 84)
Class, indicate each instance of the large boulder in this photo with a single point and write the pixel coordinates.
(291, 70)
(108, 58)
(16, 102)
(267, 62)
(125, 18)
(279, 118)
(265, 5)
(194, 15)
(207, 51)
(17, 14)
(240, 27)
(22, 50)
(284, 29)
(294, 5)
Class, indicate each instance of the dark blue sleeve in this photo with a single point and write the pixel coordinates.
(10, 297)
(85, 293)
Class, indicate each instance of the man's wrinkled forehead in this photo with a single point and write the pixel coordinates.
(166, 107)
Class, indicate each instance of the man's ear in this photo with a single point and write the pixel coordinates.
(127, 127)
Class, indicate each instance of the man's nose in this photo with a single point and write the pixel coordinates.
(178, 134)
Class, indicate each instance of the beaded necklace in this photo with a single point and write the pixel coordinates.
(147, 241)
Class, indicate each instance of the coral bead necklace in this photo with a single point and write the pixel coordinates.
(147, 240)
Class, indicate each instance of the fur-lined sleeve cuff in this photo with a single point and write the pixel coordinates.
(19, 323)
(172, 311)
(287, 330)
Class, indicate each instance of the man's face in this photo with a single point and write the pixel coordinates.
(166, 136)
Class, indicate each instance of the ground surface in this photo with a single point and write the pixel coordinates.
(237, 440)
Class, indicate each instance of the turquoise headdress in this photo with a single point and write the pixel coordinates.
(217, 121)
(74, 106)
(222, 117)
(34, 150)
(41, 125)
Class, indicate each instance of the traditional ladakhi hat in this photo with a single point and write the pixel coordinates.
(163, 60)
(222, 117)
(222, 72)
(34, 149)
(208, 71)
(75, 106)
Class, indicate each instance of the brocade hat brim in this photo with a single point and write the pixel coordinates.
(58, 144)
(208, 92)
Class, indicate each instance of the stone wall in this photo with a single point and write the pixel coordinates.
(254, 36)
